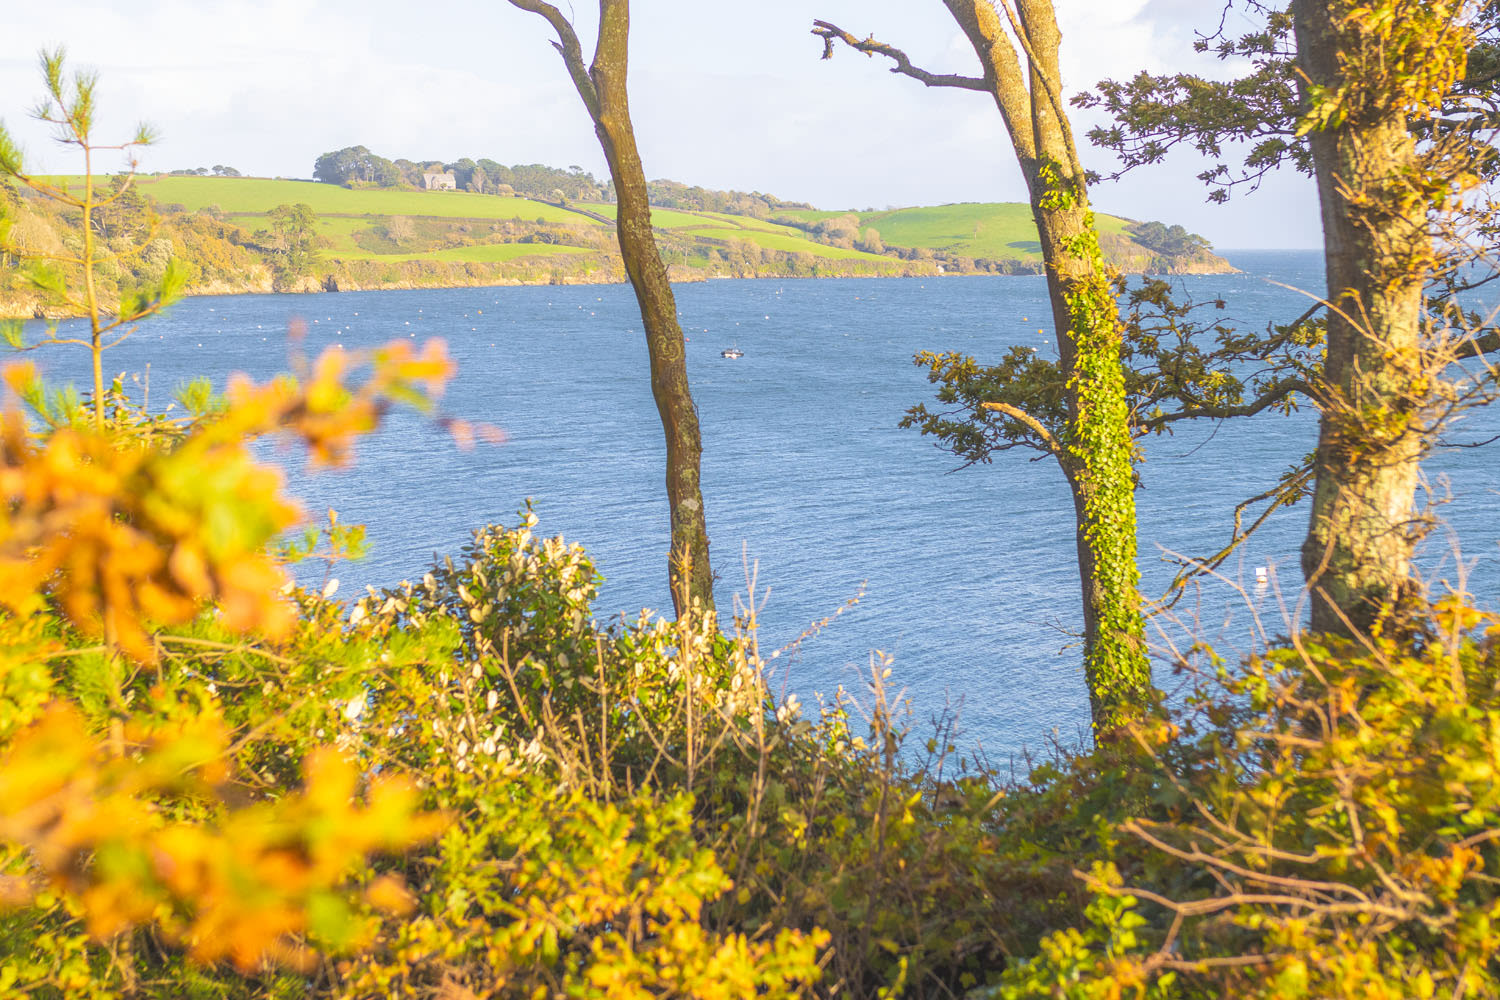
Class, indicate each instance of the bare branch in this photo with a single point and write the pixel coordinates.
(568, 46)
(1275, 395)
(1032, 423)
(58, 194)
(1284, 494)
(1312, 887)
(870, 47)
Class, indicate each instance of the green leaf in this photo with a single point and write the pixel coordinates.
(198, 397)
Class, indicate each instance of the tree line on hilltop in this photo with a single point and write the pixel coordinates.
(356, 166)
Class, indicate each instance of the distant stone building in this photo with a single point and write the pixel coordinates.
(440, 182)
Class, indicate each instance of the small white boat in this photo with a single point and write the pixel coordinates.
(731, 352)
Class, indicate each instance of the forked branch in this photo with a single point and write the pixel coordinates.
(831, 33)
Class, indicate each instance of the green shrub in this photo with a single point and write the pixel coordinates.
(1336, 838)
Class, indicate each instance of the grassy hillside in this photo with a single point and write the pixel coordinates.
(400, 237)
(1003, 231)
(461, 227)
(250, 195)
(957, 235)
(225, 230)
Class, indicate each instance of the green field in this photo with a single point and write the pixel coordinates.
(487, 254)
(661, 218)
(994, 231)
(339, 232)
(791, 244)
(250, 195)
(343, 214)
(999, 231)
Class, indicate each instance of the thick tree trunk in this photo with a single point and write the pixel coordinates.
(1358, 552)
(602, 86)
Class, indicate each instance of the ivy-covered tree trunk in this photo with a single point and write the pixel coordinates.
(1091, 436)
(602, 86)
(1364, 76)
(1096, 452)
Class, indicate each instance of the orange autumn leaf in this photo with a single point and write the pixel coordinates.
(127, 539)
(243, 887)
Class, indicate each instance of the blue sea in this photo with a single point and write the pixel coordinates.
(966, 578)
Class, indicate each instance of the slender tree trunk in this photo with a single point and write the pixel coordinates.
(689, 570)
(1094, 445)
(1372, 431)
(1096, 451)
(1098, 462)
(603, 89)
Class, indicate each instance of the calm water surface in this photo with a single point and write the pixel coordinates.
(968, 576)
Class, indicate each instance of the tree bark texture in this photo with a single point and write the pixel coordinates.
(1372, 431)
(602, 85)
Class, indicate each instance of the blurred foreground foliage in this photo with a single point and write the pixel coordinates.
(218, 784)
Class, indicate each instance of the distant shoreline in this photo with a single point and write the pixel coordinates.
(28, 309)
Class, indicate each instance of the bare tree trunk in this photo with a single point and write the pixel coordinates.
(602, 86)
(1372, 433)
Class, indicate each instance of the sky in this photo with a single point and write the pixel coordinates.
(724, 95)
